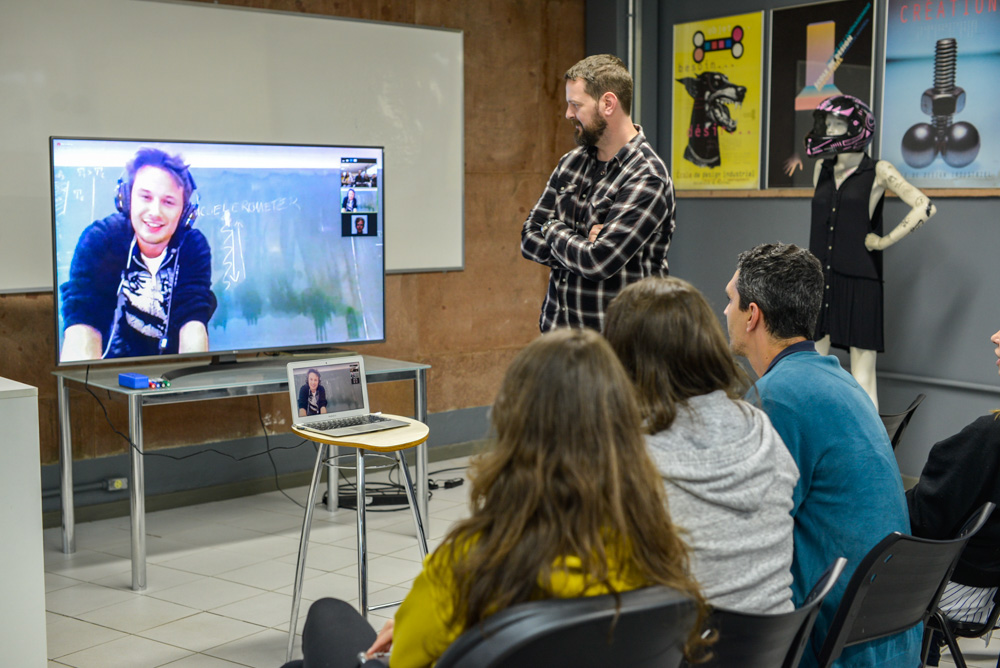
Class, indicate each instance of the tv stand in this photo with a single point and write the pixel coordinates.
(245, 378)
(220, 363)
(232, 363)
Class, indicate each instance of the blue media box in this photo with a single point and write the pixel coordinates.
(134, 380)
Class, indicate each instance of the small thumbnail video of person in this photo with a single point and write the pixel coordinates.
(359, 224)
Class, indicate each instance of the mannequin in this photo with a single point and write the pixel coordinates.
(850, 185)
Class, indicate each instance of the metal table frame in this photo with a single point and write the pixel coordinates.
(390, 441)
(254, 379)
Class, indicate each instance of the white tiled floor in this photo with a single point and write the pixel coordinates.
(220, 578)
(976, 653)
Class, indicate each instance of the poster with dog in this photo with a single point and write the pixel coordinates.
(717, 76)
(940, 97)
(817, 51)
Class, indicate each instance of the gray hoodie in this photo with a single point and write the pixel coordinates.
(729, 481)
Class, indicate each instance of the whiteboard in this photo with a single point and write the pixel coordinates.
(148, 69)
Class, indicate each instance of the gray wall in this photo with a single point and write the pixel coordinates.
(941, 305)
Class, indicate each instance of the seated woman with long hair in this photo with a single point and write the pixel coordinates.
(567, 503)
(728, 475)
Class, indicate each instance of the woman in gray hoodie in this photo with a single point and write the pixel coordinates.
(728, 475)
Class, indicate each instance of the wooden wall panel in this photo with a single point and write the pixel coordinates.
(468, 324)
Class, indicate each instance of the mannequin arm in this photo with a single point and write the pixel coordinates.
(921, 207)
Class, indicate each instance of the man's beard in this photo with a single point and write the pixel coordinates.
(589, 136)
(738, 349)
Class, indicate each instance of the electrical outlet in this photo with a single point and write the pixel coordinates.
(117, 484)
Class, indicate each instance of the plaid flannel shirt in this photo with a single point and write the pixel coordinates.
(633, 198)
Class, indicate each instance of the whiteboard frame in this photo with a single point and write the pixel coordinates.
(169, 68)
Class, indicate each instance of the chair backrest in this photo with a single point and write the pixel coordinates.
(895, 424)
(768, 641)
(648, 628)
(895, 587)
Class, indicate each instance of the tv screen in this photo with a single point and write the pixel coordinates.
(165, 248)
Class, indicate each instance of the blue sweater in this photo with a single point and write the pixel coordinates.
(849, 495)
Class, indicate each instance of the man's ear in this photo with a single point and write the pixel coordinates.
(610, 103)
(755, 317)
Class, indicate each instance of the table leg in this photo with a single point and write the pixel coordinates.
(300, 564)
(408, 486)
(362, 536)
(420, 413)
(137, 493)
(66, 468)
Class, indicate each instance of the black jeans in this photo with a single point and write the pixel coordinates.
(333, 636)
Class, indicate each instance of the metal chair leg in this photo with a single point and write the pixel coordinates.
(362, 537)
(300, 565)
(950, 640)
(411, 496)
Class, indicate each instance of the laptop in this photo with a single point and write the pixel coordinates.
(330, 397)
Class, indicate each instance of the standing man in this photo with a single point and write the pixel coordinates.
(850, 494)
(607, 214)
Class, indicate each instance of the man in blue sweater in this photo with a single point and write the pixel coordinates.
(850, 494)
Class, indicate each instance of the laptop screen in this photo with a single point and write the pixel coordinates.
(327, 389)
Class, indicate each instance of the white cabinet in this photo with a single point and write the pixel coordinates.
(22, 570)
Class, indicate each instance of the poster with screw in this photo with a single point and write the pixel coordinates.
(940, 95)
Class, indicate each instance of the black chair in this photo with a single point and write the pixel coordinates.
(895, 587)
(896, 423)
(768, 641)
(647, 630)
(952, 629)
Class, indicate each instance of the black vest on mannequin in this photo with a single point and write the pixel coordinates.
(840, 222)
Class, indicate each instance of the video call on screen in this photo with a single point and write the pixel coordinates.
(359, 197)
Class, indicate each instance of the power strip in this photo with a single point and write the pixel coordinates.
(351, 500)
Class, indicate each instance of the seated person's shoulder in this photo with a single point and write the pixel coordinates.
(988, 425)
(982, 436)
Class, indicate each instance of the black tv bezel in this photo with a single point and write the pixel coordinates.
(215, 356)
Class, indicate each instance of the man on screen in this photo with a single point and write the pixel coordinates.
(359, 226)
(607, 214)
(140, 282)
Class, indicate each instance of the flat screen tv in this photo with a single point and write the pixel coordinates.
(167, 249)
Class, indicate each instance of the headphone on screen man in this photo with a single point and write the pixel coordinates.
(153, 157)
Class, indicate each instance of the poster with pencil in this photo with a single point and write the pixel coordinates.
(817, 51)
(940, 93)
(717, 73)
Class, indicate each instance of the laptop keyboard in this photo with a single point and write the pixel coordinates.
(347, 422)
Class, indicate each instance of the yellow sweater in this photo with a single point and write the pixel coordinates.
(423, 630)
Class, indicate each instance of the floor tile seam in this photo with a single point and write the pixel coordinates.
(139, 632)
(306, 576)
(89, 610)
(166, 564)
(137, 636)
(193, 653)
(259, 628)
(76, 581)
(256, 593)
(83, 649)
(216, 656)
(77, 618)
